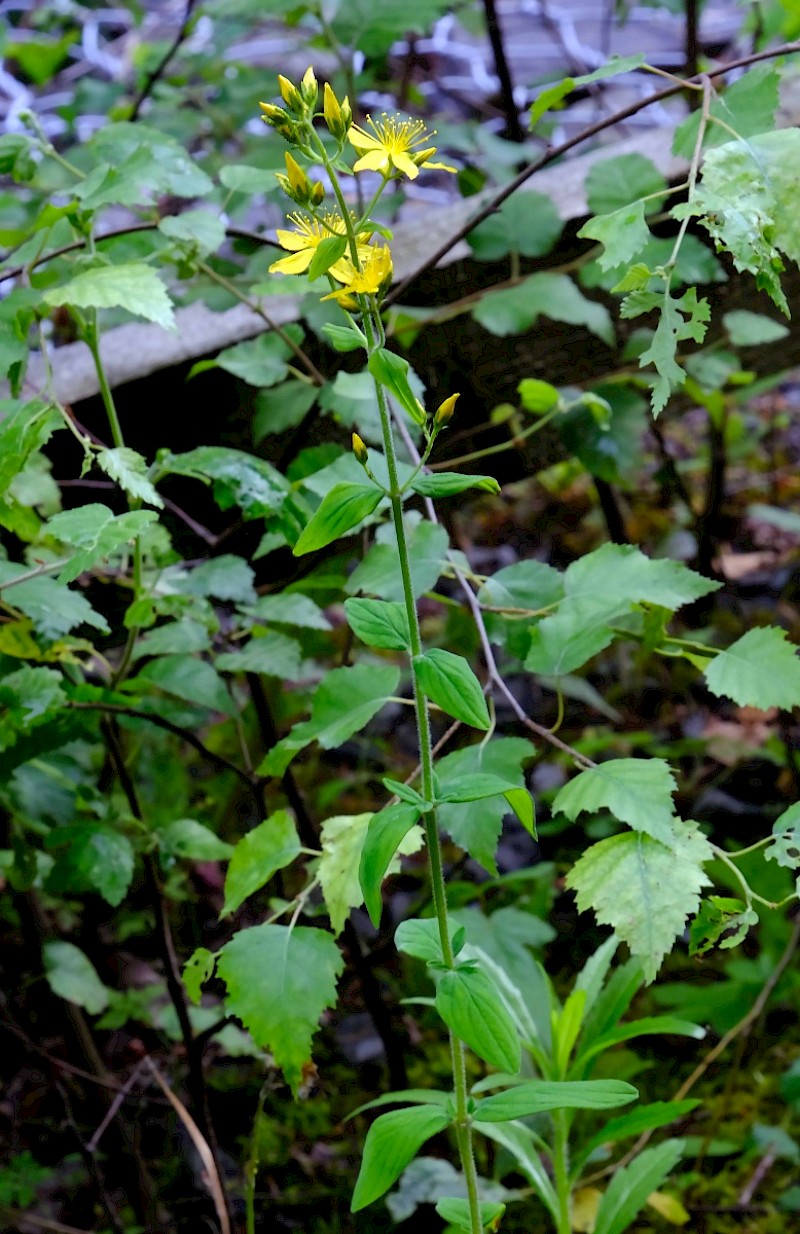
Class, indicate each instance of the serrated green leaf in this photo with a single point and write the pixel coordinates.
(623, 234)
(392, 372)
(24, 429)
(187, 838)
(291, 608)
(162, 164)
(194, 681)
(449, 682)
(626, 1194)
(379, 623)
(761, 669)
(71, 975)
(616, 182)
(240, 479)
(129, 470)
(449, 483)
(527, 585)
(470, 1005)
(747, 329)
(517, 309)
(343, 839)
(341, 510)
(346, 699)
(637, 791)
(644, 889)
(747, 106)
(527, 223)
(476, 826)
(91, 858)
(261, 361)
(393, 1141)
(680, 317)
(271, 654)
(132, 286)
(96, 533)
(716, 917)
(54, 610)
(279, 982)
(537, 1096)
(197, 971)
(200, 229)
(385, 834)
(258, 856)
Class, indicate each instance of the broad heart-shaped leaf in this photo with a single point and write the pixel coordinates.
(475, 826)
(785, 846)
(615, 182)
(447, 680)
(129, 470)
(340, 510)
(747, 106)
(261, 361)
(258, 855)
(95, 532)
(386, 832)
(528, 223)
(379, 623)
(542, 295)
(132, 286)
(200, 229)
(392, 372)
(339, 866)
(91, 857)
(190, 679)
(644, 889)
(527, 585)
(761, 669)
(449, 483)
(628, 1190)
(345, 700)
(539, 1095)
(470, 1005)
(393, 1141)
(279, 982)
(71, 975)
(637, 791)
(623, 234)
(273, 655)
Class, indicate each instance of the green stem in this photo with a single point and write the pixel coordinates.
(252, 1164)
(561, 1169)
(500, 447)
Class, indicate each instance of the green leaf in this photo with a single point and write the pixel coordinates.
(475, 826)
(785, 847)
(259, 854)
(458, 1212)
(538, 397)
(91, 858)
(129, 470)
(271, 654)
(196, 972)
(621, 180)
(158, 163)
(646, 1118)
(188, 838)
(379, 572)
(393, 1141)
(527, 223)
(281, 407)
(379, 623)
(339, 866)
(414, 1096)
(642, 1027)
(344, 338)
(24, 429)
(761, 669)
(748, 106)
(539, 1095)
(470, 1005)
(240, 479)
(200, 229)
(95, 532)
(279, 982)
(447, 680)
(623, 234)
(225, 577)
(642, 888)
(419, 937)
(326, 254)
(449, 483)
(71, 975)
(53, 609)
(342, 509)
(132, 286)
(718, 916)
(386, 832)
(261, 361)
(244, 178)
(291, 608)
(523, 1147)
(555, 296)
(190, 679)
(637, 791)
(392, 372)
(747, 329)
(626, 1194)
(345, 701)
(680, 318)
(527, 585)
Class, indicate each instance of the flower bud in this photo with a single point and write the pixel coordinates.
(333, 114)
(445, 410)
(290, 94)
(309, 89)
(296, 184)
(360, 450)
(317, 193)
(273, 114)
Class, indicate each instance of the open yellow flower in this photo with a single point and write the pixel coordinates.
(394, 145)
(304, 241)
(374, 276)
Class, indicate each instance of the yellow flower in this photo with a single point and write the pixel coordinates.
(303, 242)
(373, 277)
(393, 146)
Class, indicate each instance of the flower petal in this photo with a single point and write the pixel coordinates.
(374, 160)
(295, 263)
(403, 163)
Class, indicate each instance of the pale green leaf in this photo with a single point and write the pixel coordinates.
(95, 532)
(747, 106)
(761, 669)
(53, 609)
(196, 972)
(71, 975)
(187, 838)
(447, 680)
(338, 869)
(393, 1141)
(637, 791)
(225, 577)
(747, 329)
(616, 182)
(785, 845)
(194, 681)
(627, 1193)
(132, 286)
(392, 372)
(450, 483)
(279, 982)
(475, 826)
(341, 510)
(623, 234)
(379, 572)
(517, 309)
(129, 470)
(291, 608)
(527, 223)
(272, 654)
(200, 229)
(259, 854)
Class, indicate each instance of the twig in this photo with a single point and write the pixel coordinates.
(158, 72)
(759, 1174)
(513, 130)
(110, 1114)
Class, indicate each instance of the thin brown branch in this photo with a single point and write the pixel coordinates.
(160, 69)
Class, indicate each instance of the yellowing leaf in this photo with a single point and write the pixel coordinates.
(583, 1209)
(669, 1207)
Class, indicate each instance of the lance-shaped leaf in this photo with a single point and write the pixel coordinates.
(279, 982)
(133, 286)
(340, 510)
(258, 856)
(645, 1118)
(538, 1096)
(470, 1005)
(520, 1142)
(379, 623)
(392, 372)
(448, 681)
(449, 483)
(387, 831)
(628, 1190)
(643, 888)
(761, 669)
(642, 1027)
(483, 785)
(637, 791)
(392, 1142)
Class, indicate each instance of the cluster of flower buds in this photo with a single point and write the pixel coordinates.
(338, 116)
(297, 186)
